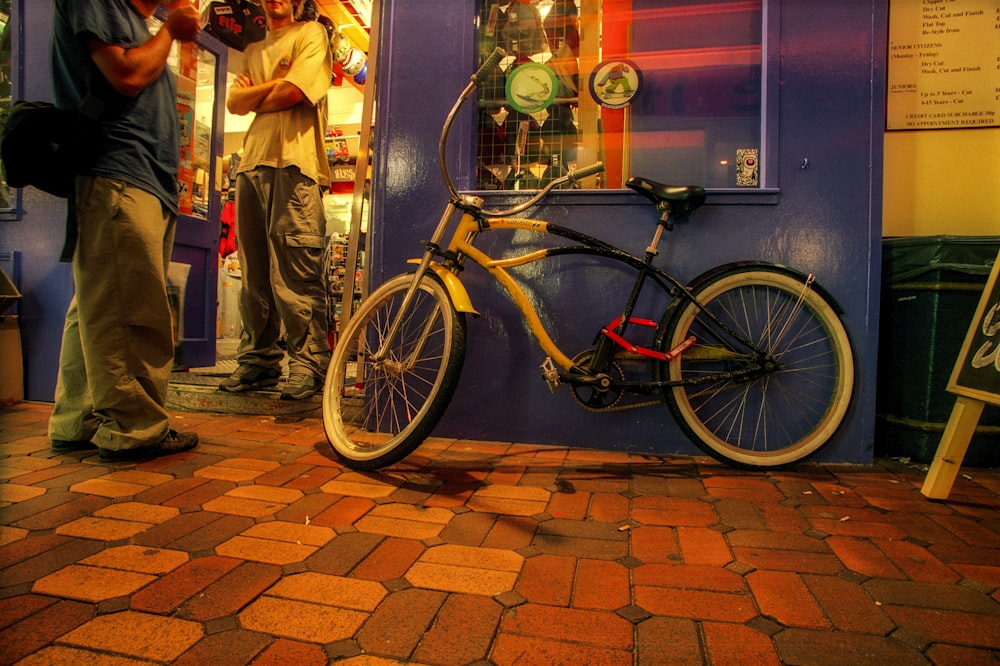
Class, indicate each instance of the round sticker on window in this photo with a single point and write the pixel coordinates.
(531, 87)
(614, 83)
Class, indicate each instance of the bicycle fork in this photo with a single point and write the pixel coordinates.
(432, 249)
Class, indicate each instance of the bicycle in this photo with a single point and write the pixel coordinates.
(752, 358)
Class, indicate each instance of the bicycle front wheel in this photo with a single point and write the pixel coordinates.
(383, 397)
(772, 405)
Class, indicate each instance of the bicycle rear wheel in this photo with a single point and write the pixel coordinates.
(761, 409)
(380, 402)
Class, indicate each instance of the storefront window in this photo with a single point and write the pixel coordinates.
(6, 92)
(669, 89)
(195, 68)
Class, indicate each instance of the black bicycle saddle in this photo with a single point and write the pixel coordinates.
(681, 199)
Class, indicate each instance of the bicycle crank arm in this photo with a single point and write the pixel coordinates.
(554, 377)
(600, 382)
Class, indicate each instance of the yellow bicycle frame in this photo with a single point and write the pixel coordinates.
(461, 245)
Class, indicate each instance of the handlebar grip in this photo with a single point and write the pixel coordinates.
(595, 168)
(488, 66)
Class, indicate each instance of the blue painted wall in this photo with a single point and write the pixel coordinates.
(46, 284)
(826, 218)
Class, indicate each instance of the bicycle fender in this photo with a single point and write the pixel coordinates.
(794, 272)
(457, 291)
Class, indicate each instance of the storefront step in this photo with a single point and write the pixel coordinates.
(201, 398)
(197, 390)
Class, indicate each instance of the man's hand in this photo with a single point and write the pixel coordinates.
(183, 20)
(242, 80)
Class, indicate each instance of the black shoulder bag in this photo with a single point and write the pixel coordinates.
(47, 147)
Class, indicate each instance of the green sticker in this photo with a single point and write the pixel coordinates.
(531, 87)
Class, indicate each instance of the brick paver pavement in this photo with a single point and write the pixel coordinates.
(259, 547)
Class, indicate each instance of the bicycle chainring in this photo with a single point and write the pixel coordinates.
(590, 397)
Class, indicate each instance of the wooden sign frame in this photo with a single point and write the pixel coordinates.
(976, 381)
(978, 376)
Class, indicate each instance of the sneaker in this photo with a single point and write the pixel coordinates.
(174, 442)
(71, 445)
(299, 387)
(248, 377)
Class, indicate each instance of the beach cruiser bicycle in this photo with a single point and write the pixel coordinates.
(752, 358)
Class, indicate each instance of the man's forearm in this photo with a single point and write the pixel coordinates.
(267, 97)
(244, 100)
(131, 70)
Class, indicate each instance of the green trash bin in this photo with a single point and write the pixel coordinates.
(931, 286)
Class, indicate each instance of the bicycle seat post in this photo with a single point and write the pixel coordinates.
(664, 223)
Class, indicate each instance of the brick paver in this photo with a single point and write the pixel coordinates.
(102, 529)
(139, 559)
(137, 635)
(284, 651)
(785, 598)
(11, 493)
(404, 520)
(259, 547)
(167, 593)
(667, 640)
(462, 631)
(41, 628)
(548, 579)
(91, 584)
(139, 512)
(400, 623)
(582, 627)
(390, 560)
(299, 620)
(265, 550)
(450, 568)
(601, 585)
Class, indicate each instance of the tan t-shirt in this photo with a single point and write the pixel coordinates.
(299, 54)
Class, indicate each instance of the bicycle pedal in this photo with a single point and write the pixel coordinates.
(551, 374)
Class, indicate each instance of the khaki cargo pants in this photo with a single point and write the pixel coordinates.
(281, 238)
(117, 347)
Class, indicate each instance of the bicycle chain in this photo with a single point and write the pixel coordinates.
(621, 408)
(621, 360)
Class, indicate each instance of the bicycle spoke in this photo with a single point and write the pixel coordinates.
(400, 390)
(773, 405)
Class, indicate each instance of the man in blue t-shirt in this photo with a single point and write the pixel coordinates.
(117, 347)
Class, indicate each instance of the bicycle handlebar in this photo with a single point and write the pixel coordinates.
(592, 170)
(475, 81)
(488, 66)
(571, 177)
